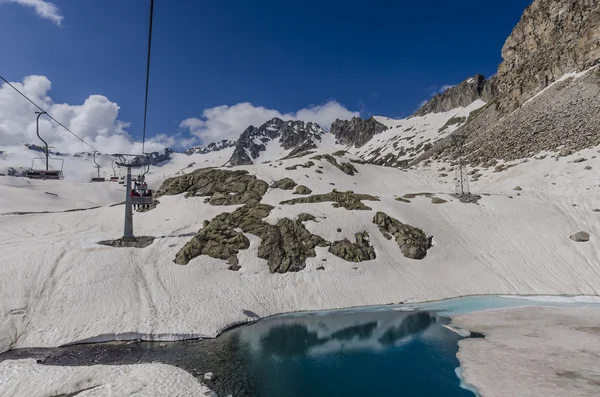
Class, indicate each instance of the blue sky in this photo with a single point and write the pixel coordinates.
(376, 57)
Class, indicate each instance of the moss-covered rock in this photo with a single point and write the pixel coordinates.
(304, 217)
(348, 200)
(413, 242)
(217, 240)
(354, 252)
(285, 184)
(402, 199)
(285, 245)
(340, 153)
(301, 189)
(229, 187)
(437, 200)
(346, 168)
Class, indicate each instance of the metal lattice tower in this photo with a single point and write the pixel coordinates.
(461, 179)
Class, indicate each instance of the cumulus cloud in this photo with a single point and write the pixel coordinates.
(96, 121)
(225, 122)
(42, 8)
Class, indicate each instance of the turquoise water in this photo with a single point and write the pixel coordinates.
(388, 354)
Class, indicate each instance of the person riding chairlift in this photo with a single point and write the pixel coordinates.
(134, 193)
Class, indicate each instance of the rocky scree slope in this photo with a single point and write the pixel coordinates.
(539, 106)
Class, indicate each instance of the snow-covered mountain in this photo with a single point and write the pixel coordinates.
(289, 217)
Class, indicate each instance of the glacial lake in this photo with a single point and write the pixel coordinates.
(402, 350)
(345, 354)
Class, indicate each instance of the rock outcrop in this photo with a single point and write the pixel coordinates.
(211, 147)
(301, 189)
(460, 95)
(285, 184)
(223, 187)
(413, 242)
(356, 132)
(348, 200)
(295, 135)
(285, 245)
(354, 252)
(346, 168)
(552, 38)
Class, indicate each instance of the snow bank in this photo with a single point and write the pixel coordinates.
(26, 378)
(532, 351)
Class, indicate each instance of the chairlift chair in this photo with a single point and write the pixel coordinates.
(97, 178)
(45, 173)
(114, 177)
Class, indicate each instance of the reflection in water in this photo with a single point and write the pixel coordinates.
(382, 353)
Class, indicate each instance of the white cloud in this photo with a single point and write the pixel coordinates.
(95, 121)
(225, 122)
(445, 87)
(42, 8)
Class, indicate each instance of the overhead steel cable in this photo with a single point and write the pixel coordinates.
(49, 115)
(147, 73)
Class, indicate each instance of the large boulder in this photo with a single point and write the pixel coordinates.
(354, 252)
(580, 237)
(285, 184)
(413, 242)
(301, 189)
(223, 187)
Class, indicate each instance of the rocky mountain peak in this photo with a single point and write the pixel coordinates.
(553, 37)
(356, 132)
(460, 95)
(211, 147)
(292, 134)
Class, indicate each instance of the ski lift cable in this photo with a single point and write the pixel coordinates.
(147, 73)
(49, 115)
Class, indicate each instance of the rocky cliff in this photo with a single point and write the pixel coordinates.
(552, 38)
(461, 95)
(356, 132)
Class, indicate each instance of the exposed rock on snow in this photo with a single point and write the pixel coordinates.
(437, 200)
(285, 184)
(348, 200)
(354, 252)
(346, 168)
(301, 189)
(413, 242)
(217, 240)
(580, 237)
(356, 132)
(285, 245)
(136, 242)
(224, 187)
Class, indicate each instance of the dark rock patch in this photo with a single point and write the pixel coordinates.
(354, 252)
(223, 187)
(285, 245)
(285, 184)
(136, 242)
(580, 237)
(413, 242)
(346, 168)
(301, 189)
(348, 200)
